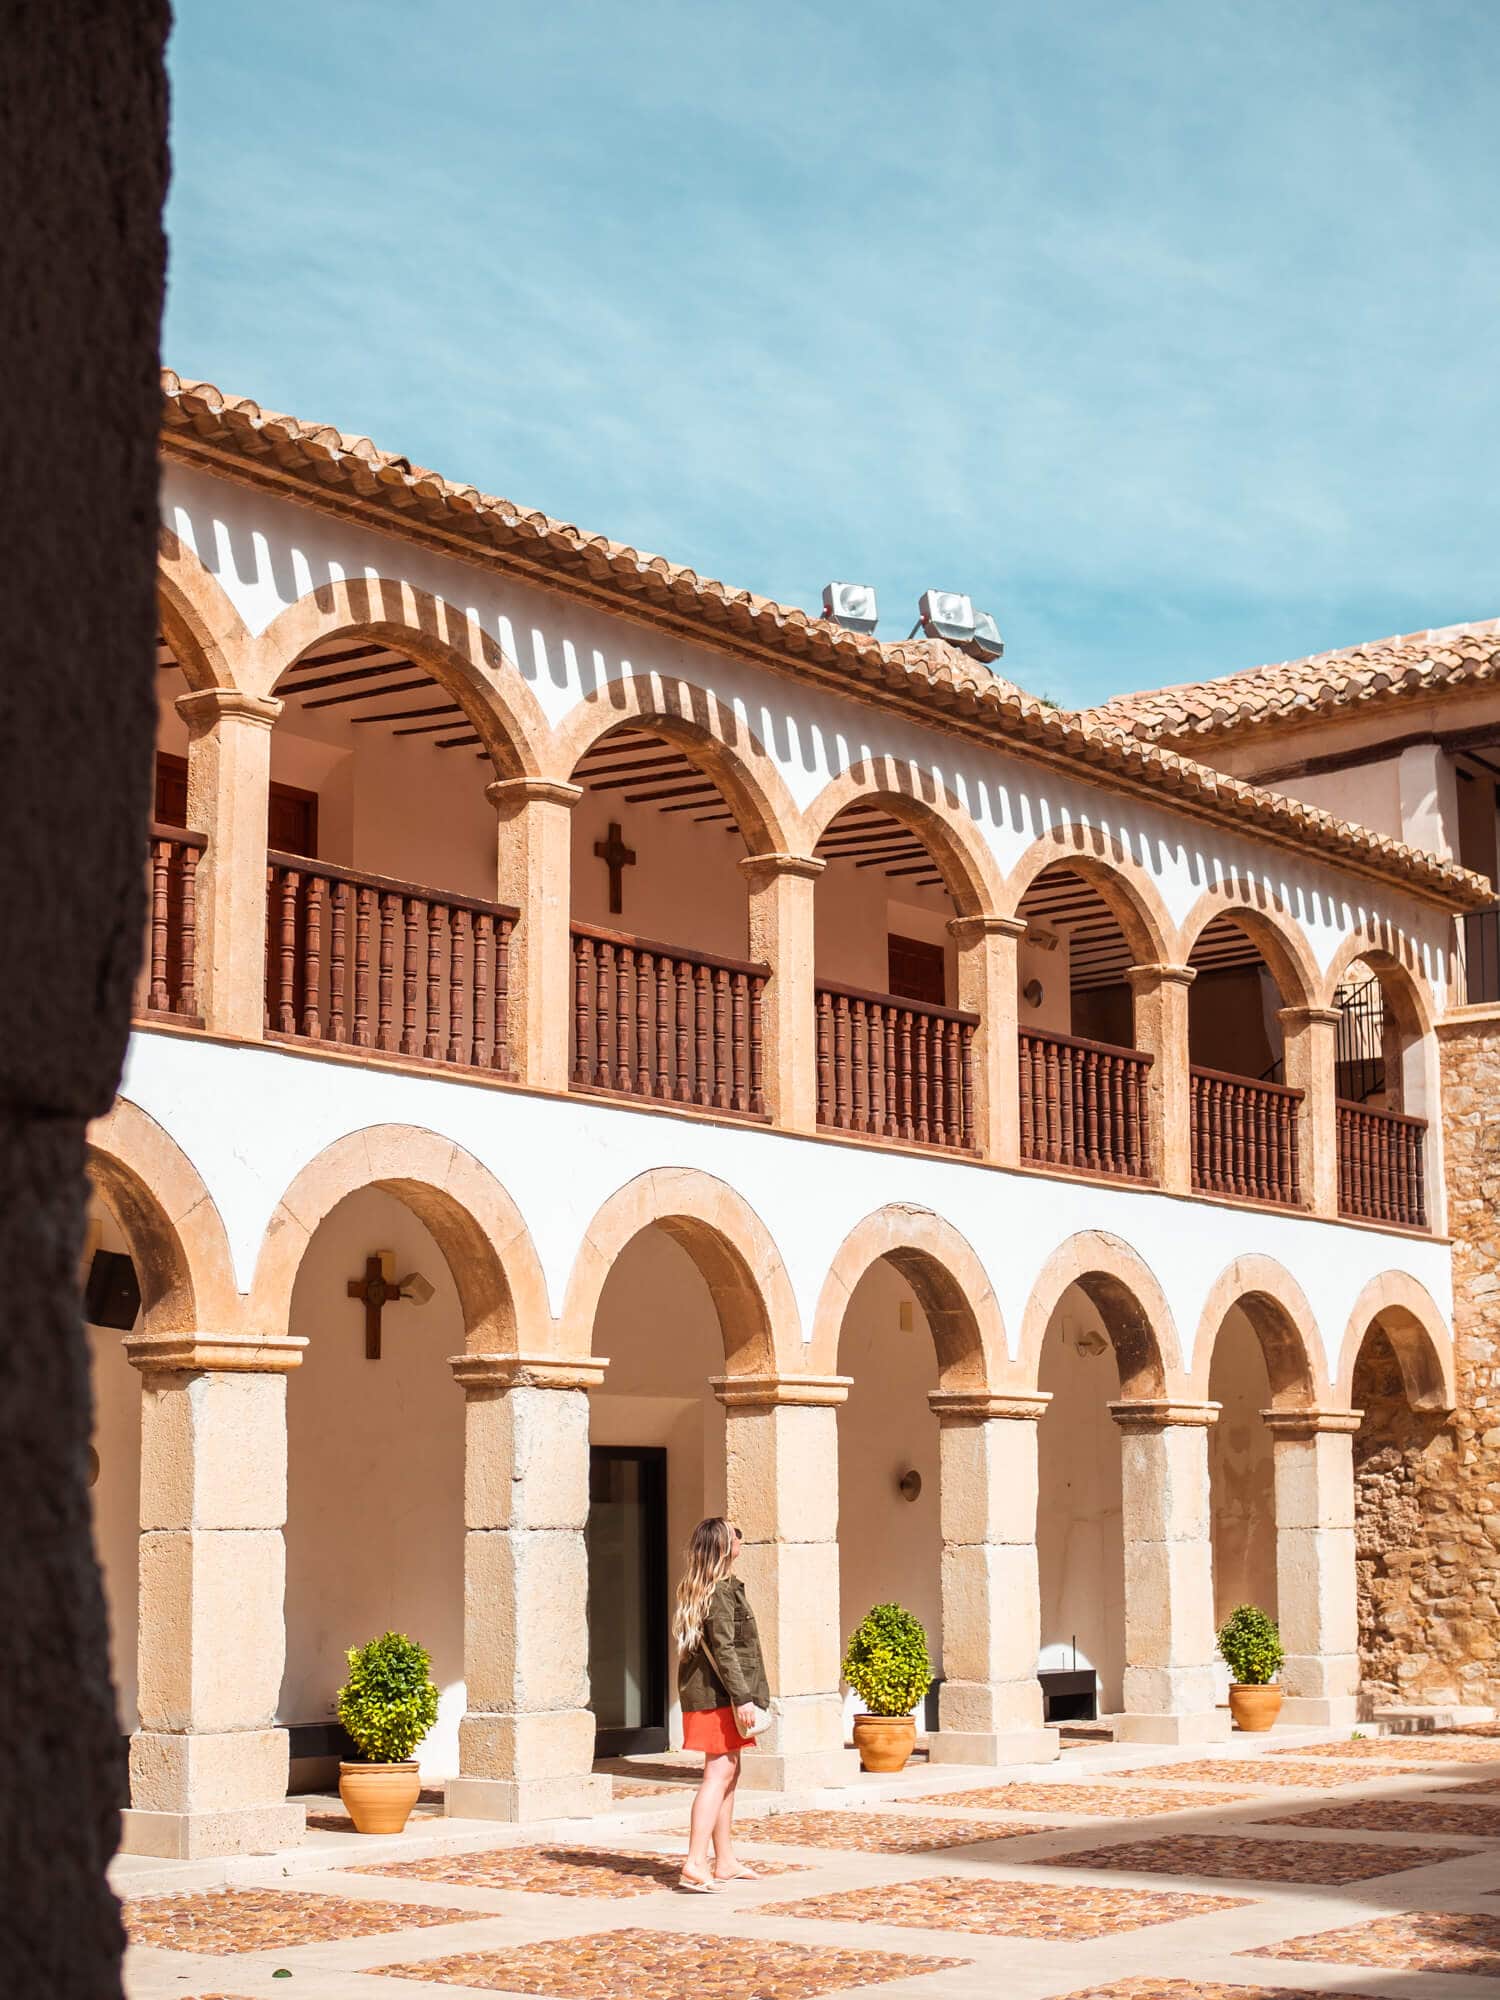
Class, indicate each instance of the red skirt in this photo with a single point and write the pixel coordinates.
(713, 1731)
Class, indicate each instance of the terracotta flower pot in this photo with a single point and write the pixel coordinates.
(379, 1797)
(884, 1742)
(1254, 1708)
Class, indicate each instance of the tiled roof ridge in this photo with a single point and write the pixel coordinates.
(1403, 667)
(198, 417)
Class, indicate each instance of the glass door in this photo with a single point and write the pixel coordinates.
(627, 1548)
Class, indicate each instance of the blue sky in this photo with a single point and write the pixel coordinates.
(1166, 330)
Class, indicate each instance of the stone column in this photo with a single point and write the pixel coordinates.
(1169, 1602)
(1317, 1601)
(782, 888)
(990, 1703)
(535, 870)
(208, 1766)
(1161, 1029)
(782, 1467)
(987, 987)
(1311, 1040)
(526, 1745)
(229, 780)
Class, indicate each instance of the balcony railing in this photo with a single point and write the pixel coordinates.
(1381, 1166)
(683, 1027)
(170, 973)
(1083, 1104)
(372, 963)
(1245, 1138)
(894, 1068)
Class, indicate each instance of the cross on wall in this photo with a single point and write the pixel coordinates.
(377, 1289)
(617, 857)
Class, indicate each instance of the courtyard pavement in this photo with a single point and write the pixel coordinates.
(1276, 1867)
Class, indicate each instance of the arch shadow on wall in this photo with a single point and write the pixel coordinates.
(951, 1286)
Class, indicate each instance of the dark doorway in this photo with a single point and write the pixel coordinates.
(292, 814)
(916, 971)
(627, 1549)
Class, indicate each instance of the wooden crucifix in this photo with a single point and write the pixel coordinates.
(617, 857)
(376, 1289)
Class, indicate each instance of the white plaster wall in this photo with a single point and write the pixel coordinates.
(1241, 1484)
(116, 1493)
(684, 888)
(375, 1522)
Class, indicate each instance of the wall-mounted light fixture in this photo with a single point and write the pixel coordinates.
(1033, 993)
(909, 1485)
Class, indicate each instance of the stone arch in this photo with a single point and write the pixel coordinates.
(1407, 1314)
(1106, 864)
(1127, 1297)
(1394, 957)
(710, 731)
(1283, 1324)
(449, 643)
(176, 1235)
(950, 1282)
(475, 1223)
(1264, 920)
(206, 633)
(914, 797)
(734, 1253)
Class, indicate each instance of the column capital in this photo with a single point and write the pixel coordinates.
(766, 867)
(1310, 1423)
(201, 1353)
(954, 1406)
(1303, 1017)
(201, 709)
(1159, 974)
(985, 925)
(476, 1373)
(765, 1392)
(1159, 1413)
(510, 794)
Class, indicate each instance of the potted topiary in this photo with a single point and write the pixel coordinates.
(887, 1666)
(1251, 1647)
(387, 1705)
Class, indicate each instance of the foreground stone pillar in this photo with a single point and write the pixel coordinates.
(535, 874)
(208, 1766)
(1311, 1044)
(526, 1745)
(782, 1465)
(229, 780)
(1316, 1596)
(1161, 1030)
(782, 888)
(1169, 1606)
(990, 1703)
(987, 986)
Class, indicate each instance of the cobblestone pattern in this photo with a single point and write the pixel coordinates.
(1417, 1941)
(1228, 1857)
(1428, 1546)
(990, 1908)
(225, 1920)
(1137, 1802)
(1260, 1774)
(1469, 1818)
(1416, 1752)
(660, 1965)
(1194, 1989)
(881, 1833)
(554, 1871)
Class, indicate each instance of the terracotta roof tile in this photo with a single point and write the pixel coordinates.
(200, 423)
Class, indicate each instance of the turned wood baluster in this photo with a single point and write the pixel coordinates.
(921, 1092)
(954, 1069)
(411, 923)
(1293, 1144)
(583, 1011)
(624, 1018)
(312, 960)
(603, 1019)
(286, 1011)
(906, 1075)
(458, 984)
(386, 1024)
(841, 1097)
(721, 1039)
(482, 1049)
(1113, 1093)
(666, 995)
(158, 997)
(1024, 1093)
(187, 970)
(1343, 1159)
(944, 1124)
(757, 1046)
(684, 1032)
(859, 1066)
(1419, 1139)
(362, 901)
(825, 1057)
(937, 1132)
(1051, 1122)
(338, 917)
(892, 1079)
(500, 1055)
(432, 1041)
(966, 1057)
(645, 1022)
(876, 1073)
(1096, 1130)
(739, 997)
(702, 1035)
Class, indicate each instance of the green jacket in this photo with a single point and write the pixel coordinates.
(726, 1669)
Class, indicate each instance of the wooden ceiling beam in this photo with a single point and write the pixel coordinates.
(366, 694)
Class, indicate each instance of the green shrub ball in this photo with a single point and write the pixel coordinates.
(388, 1703)
(1251, 1646)
(886, 1663)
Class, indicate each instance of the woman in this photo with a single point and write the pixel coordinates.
(721, 1681)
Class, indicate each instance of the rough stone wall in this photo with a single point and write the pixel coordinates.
(1428, 1494)
(82, 175)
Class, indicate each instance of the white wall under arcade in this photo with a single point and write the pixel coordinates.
(116, 1488)
(375, 1467)
(1242, 1495)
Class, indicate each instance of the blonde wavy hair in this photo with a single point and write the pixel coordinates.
(710, 1551)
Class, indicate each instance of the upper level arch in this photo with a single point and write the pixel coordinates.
(1130, 1302)
(915, 800)
(1264, 921)
(1102, 861)
(169, 1220)
(202, 628)
(951, 1285)
(1405, 1311)
(1282, 1322)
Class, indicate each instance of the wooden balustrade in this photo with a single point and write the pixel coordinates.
(169, 982)
(1381, 1166)
(651, 1020)
(372, 963)
(894, 1068)
(1245, 1137)
(1084, 1105)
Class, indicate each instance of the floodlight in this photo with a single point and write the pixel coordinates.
(986, 641)
(947, 614)
(851, 605)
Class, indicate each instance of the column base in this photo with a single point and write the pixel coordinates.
(1012, 1746)
(798, 1770)
(1328, 1711)
(1207, 1726)
(198, 1836)
(522, 1799)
